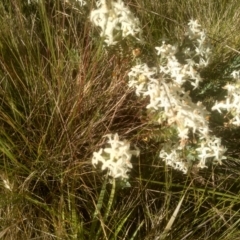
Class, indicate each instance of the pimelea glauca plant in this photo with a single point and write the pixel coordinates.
(116, 21)
(165, 87)
(116, 158)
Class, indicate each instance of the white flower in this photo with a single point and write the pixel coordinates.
(194, 26)
(232, 101)
(97, 157)
(203, 62)
(174, 159)
(166, 50)
(210, 148)
(222, 105)
(183, 133)
(235, 121)
(115, 20)
(236, 74)
(204, 153)
(230, 87)
(116, 158)
(139, 76)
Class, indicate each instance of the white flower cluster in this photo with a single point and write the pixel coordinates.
(232, 102)
(164, 87)
(174, 159)
(196, 56)
(115, 158)
(165, 90)
(171, 98)
(115, 20)
(201, 46)
(139, 78)
(210, 148)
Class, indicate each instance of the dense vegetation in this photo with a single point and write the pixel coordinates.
(62, 90)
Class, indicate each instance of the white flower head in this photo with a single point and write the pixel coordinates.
(236, 74)
(115, 20)
(231, 104)
(210, 148)
(174, 159)
(116, 158)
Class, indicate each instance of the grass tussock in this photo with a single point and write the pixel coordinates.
(61, 91)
